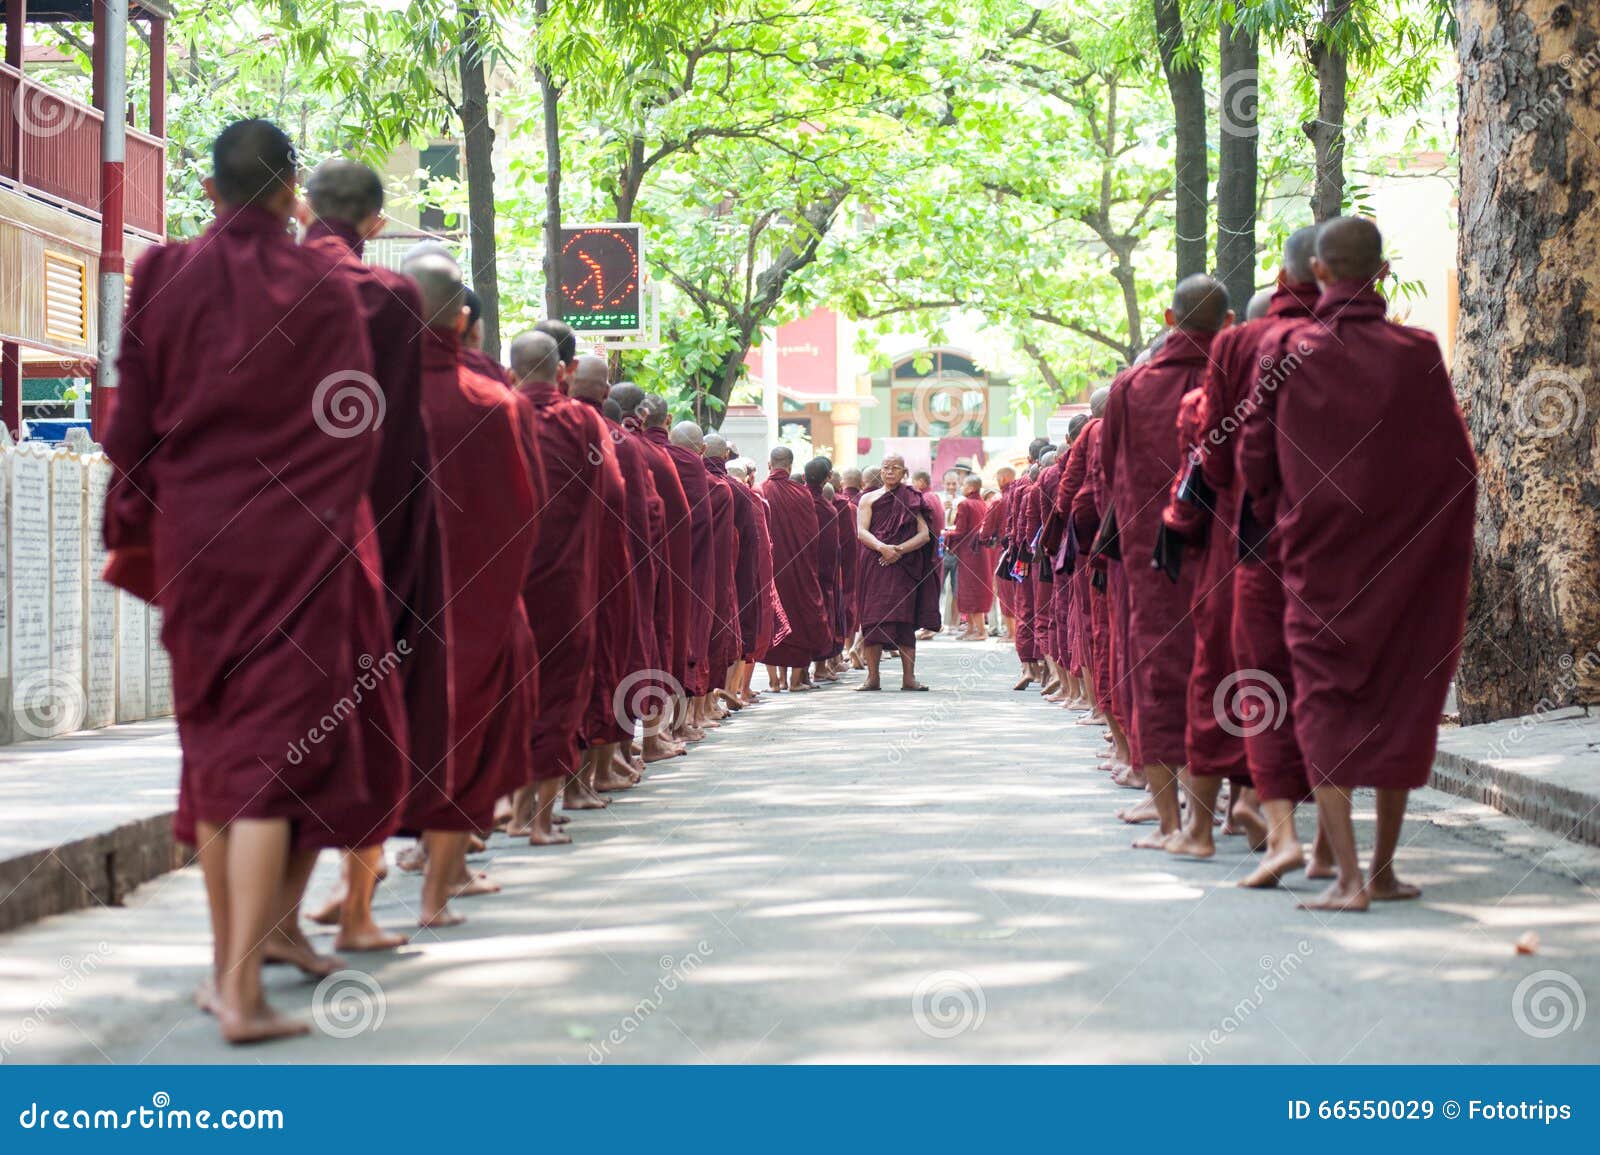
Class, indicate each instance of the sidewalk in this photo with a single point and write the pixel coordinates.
(87, 818)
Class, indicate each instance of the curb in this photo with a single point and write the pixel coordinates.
(98, 870)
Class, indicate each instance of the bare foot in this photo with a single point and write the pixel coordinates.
(1024, 683)
(1155, 840)
(1247, 820)
(205, 997)
(328, 915)
(557, 819)
(1190, 846)
(801, 688)
(869, 684)
(442, 917)
(413, 859)
(294, 949)
(261, 1025)
(476, 845)
(1318, 869)
(1387, 888)
(554, 838)
(479, 884)
(693, 735)
(1338, 897)
(1273, 868)
(1144, 812)
(369, 938)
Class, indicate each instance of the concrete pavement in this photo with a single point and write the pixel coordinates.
(890, 877)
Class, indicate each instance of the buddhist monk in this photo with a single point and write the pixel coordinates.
(1370, 494)
(476, 427)
(1041, 500)
(770, 625)
(748, 593)
(922, 482)
(561, 588)
(829, 582)
(1140, 460)
(1005, 590)
(849, 557)
(623, 537)
(892, 523)
(1021, 545)
(1072, 580)
(472, 354)
(686, 443)
(792, 524)
(964, 542)
(723, 649)
(239, 506)
(343, 209)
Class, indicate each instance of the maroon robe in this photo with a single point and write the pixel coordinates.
(240, 498)
(614, 609)
(828, 568)
(1371, 492)
(792, 525)
(974, 577)
(723, 648)
(486, 366)
(772, 626)
(475, 425)
(700, 595)
(1042, 500)
(675, 564)
(1005, 590)
(890, 613)
(1077, 622)
(748, 593)
(402, 496)
(849, 562)
(562, 585)
(1027, 639)
(1140, 459)
(647, 528)
(1087, 508)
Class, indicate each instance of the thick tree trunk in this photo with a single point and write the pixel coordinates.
(1528, 351)
(550, 100)
(1187, 88)
(478, 142)
(1327, 131)
(1240, 60)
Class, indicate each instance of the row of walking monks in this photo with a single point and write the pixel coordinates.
(1251, 563)
(407, 589)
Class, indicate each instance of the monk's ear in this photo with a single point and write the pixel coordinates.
(461, 321)
(1229, 319)
(1171, 319)
(1383, 274)
(210, 187)
(374, 225)
(1320, 272)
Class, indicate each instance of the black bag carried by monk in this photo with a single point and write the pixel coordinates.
(1107, 542)
(1047, 571)
(1168, 554)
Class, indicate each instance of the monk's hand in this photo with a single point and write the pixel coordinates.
(889, 554)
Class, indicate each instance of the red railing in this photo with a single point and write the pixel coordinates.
(58, 141)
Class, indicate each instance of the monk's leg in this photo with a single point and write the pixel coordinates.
(523, 804)
(1284, 853)
(357, 928)
(1244, 813)
(544, 827)
(288, 943)
(579, 794)
(607, 774)
(1349, 891)
(1382, 885)
(908, 669)
(447, 857)
(656, 745)
(775, 679)
(213, 855)
(1321, 864)
(330, 912)
(1196, 839)
(1163, 781)
(257, 851)
(799, 679)
(874, 655)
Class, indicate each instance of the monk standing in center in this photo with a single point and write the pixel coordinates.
(892, 523)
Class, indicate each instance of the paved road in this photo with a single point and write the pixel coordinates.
(895, 877)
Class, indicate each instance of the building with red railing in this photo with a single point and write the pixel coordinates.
(52, 203)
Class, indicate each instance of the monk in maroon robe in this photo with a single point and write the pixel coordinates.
(562, 586)
(1088, 507)
(343, 209)
(792, 522)
(1240, 659)
(476, 426)
(772, 626)
(748, 594)
(606, 723)
(686, 443)
(828, 562)
(724, 646)
(974, 577)
(844, 514)
(1140, 460)
(893, 524)
(1041, 500)
(244, 442)
(1072, 616)
(1370, 494)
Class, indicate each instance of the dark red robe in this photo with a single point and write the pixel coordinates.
(749, 596)
(1022, 604)
(772, 626)
(1361, 461)
(486, 366)
(647, 546)
(699, 598)
(1077, 621)
(675, 563)
(849, 561)
(614, 609)
(1041, 502)
(723, 648)
(890, 613)
(792, 525)
(1140, 459)
(828, 568)
(241, 480)
(562, 586)
(403, 504)
(475, 425)
(974, 577)
(1087, 509)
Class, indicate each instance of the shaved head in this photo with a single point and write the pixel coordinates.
(612, 410)
(1075, 426)
(252, 163)
(871, 478)
(1200, 304)
(444, 303)
(781, 457)
(627, 395)
(687, 434)
(1297, 253)
(852, 479)
(1349, 249)
(654, 411)
(1047, 458)
(561, 333)
(591, 379)
(1098, 399)
(1257, 308)
(716, 447)
(534, 359)
(1005, 473)
(817, 470)
(739, 467)
(828, 492)
(344, 191)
